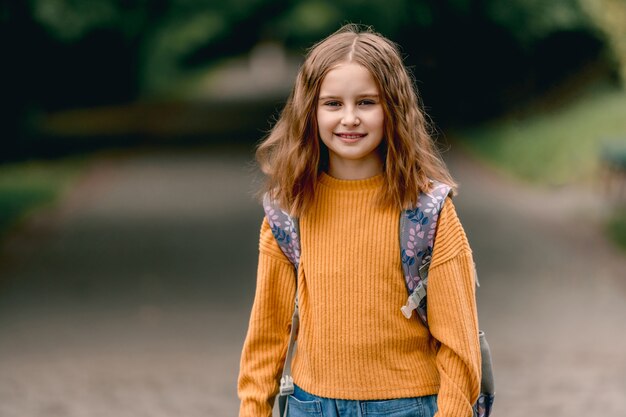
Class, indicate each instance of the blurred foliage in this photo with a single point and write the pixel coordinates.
(71, 20)
(177, 38)
(616, 228)
(532, 20)
(170, 35)
(306, 18)
(609, 17)
(27, 186)
(555, 146)
(473, 59)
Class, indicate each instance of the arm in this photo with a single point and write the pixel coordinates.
(268, 331)
(453, 318)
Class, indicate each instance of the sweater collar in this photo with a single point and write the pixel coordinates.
(371, 183)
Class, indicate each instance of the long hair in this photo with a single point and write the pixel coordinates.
(292, 155)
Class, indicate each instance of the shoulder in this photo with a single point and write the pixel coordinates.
(267, 243)
(451, 239)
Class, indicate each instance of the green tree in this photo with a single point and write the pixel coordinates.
(609, 17)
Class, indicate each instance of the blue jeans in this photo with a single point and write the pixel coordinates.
(303, 404)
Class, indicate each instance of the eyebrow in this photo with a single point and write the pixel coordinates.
(373, 95)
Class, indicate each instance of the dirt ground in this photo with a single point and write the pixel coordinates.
(131, 297)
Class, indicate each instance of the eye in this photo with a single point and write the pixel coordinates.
(332, 103)
(367, 102)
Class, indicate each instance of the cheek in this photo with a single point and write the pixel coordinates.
(324, 122)
(319, 118)
(379, 120)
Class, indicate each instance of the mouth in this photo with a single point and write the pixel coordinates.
(350, 137)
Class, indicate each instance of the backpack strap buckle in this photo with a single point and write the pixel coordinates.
(407, 309)
(286, 385)
(414, 300)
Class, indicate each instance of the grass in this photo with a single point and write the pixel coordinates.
(564, 146)
(557, 147)
(616, 228)
(27, 186)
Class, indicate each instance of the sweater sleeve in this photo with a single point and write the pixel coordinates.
(452, 317)
(265, 346)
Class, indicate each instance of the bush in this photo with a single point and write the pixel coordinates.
(27, 186)
(616, 227)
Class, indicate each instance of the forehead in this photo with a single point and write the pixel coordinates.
(348, 78)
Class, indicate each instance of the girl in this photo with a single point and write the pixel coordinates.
(349, 151)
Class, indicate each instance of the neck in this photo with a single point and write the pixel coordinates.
(355, 170)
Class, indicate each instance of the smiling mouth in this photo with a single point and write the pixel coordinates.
(351, 136)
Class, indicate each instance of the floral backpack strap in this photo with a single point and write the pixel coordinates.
(287, 234)
(418, 227)
(284, 228)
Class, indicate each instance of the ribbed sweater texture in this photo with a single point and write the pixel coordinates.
(354, 343)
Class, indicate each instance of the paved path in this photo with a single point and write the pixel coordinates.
(132, 297)
(553, 296)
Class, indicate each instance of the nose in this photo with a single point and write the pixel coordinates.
(350, 117)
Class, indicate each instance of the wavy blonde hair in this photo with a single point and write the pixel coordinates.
(292, 155)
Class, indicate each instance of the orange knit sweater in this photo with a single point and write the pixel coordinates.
(354, 342)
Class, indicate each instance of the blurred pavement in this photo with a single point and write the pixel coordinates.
(132, 297)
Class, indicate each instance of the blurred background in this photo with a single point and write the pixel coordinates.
(128, 226)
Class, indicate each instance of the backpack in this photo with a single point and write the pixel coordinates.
(418, 228)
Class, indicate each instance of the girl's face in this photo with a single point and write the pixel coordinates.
(350, 121)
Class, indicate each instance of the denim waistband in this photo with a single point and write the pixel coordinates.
(305, 404)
